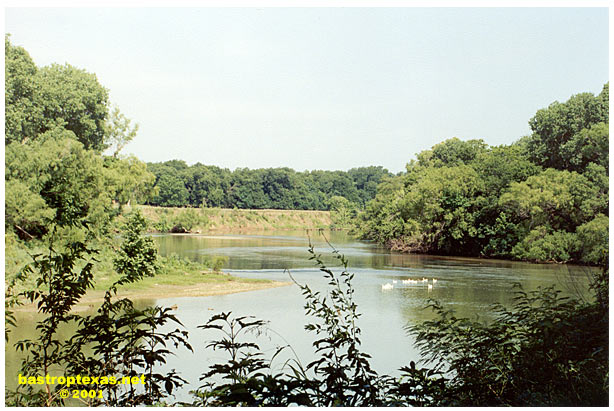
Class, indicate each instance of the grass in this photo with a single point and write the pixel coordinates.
(176, 278)
(197, 220)
(176, 271)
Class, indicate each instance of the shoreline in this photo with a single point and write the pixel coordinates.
(201, 220)
(157, 292)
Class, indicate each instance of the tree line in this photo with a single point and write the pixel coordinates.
(542, 198)
(198, 185)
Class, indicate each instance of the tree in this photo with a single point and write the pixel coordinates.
(544, 244)
(22, 114)
(171, 190)
(561, 200)
(452, 152)
(444, 204)
(594, 238)
(589, 145)
(42, 99)
(62, 181)
(502, 165)
(73, 98)
(246, 190)
(127, 179)
(137, 257)
(119, 131)
(382, 219)
(342, 212)
(207, 185)
(559, 140)
(366, 180)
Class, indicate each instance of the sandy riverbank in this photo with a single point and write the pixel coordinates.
(156, 291)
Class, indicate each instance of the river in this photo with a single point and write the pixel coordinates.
(469, 286)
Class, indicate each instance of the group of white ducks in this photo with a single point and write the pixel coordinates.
(389, 286)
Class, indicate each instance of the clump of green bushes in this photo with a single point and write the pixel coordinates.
(183, 221)
(176, 263)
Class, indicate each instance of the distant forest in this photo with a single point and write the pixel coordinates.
(180, 185)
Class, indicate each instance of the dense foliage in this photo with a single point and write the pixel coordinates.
(58, 122)
(546, 350)
(118, 340)
(199, 185)
(543, 198)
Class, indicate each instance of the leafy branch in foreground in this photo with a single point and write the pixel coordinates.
(343, 372)
(119, 340)
(247, 379)
(340, 376)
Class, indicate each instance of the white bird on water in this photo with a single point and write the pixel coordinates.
(394, 281)
(430, 287)
(434, 280)
(387, 286)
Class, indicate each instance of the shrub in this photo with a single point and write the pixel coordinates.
(539, 246)
(218, 262)
(545, 351)
(593, 237)
(185, 220)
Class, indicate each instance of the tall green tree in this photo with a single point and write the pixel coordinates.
(22, 112)
(73, 98)
(366, 180)
(559, 199)
(567, 136)
(452, 152)
(128, 180)
(171, 190)
(41, 99)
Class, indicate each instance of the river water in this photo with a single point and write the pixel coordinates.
(469, 286)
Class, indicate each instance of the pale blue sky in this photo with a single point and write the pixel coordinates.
(323, 88)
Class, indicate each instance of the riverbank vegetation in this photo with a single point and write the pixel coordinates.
(201, 220)
(465, 362)
(544, 198)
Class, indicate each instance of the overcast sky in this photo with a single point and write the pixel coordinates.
(322, 88)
